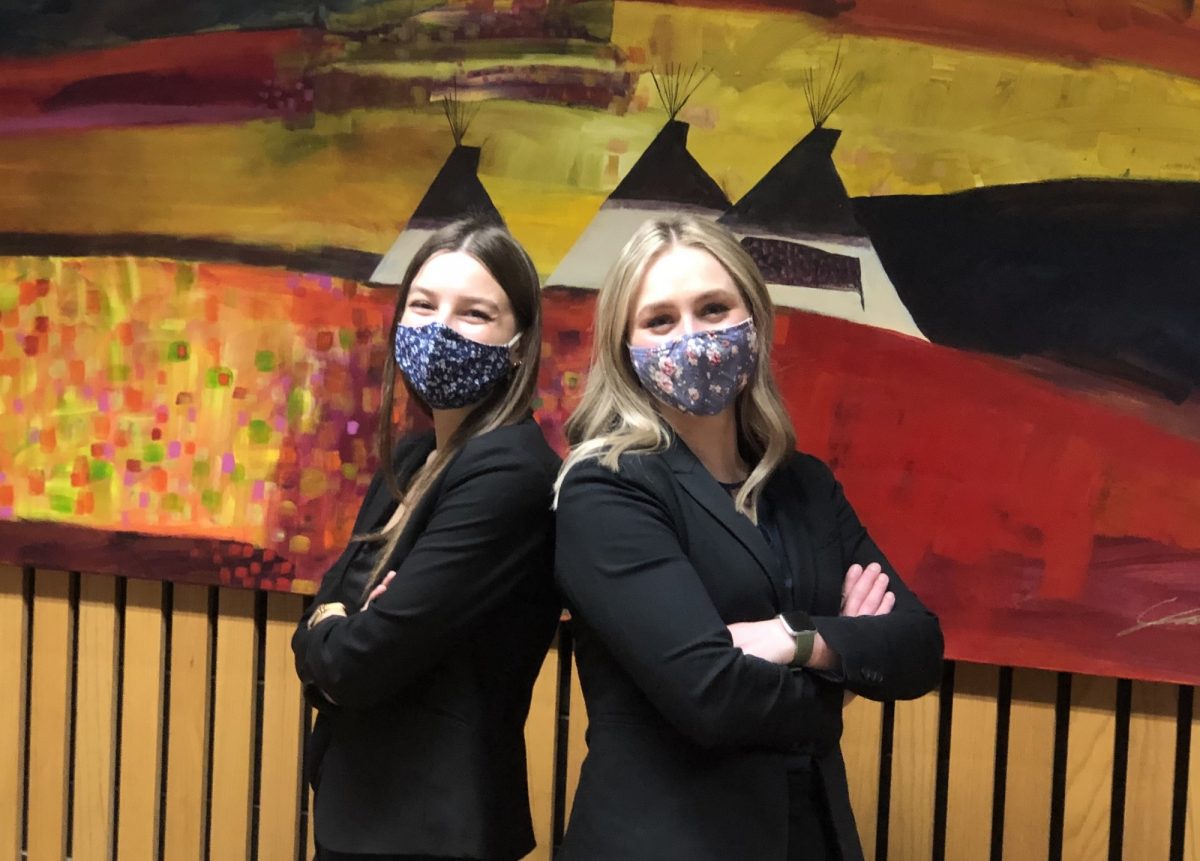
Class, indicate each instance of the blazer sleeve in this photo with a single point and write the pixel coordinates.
(897, 656)
(623, 572)
(330, 590)
(491, 518)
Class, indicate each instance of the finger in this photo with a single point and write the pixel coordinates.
(886, 605)
(857, 593)
(852, 575)
(870, 604)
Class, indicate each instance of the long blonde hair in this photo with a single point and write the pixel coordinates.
(504, 258)
(617, 415)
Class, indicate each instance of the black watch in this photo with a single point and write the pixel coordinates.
(801, 629)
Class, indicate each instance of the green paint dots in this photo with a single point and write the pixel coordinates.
(264, 360)
(218, 378)
(173, 503)
(185, 277)
(349, 471)
(119, 373)
(346, 338)
(297, 403)
(10, 296)
(178, 351)
(61, 503)
(201, 469)
(153, 452)
(239, 473)
(211, 500)
(260, 432)
(99, 470)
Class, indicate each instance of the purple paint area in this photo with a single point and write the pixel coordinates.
(116, 116)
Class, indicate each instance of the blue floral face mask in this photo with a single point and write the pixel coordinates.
(447, 370)
(701, 374)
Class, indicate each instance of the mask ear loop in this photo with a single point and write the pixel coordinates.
(512, 342)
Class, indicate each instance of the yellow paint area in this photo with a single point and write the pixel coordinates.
(924, 119)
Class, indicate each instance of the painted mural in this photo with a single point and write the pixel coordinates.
(977, 218)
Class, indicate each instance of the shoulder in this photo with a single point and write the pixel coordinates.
(515, 457)
(812, 473)
(646, 472)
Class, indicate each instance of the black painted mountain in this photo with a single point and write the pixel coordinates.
(1102, 274)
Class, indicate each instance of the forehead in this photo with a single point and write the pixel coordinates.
(457, 272)
(680, 273)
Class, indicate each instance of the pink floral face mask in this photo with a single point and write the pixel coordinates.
(701, 374)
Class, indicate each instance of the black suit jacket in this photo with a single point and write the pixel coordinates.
(689, 739)
(424, 751)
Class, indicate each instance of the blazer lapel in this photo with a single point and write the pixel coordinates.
(705, 489)
(406, 459)
(787, 498)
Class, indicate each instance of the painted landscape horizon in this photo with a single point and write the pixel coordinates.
(982, 258)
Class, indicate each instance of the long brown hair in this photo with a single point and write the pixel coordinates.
(617, 415)
(503, 257)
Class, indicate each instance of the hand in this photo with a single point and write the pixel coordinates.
(766, 639)
(865, 592)
(379, 589)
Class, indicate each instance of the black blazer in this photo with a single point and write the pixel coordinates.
(689, 739)
(424, 751)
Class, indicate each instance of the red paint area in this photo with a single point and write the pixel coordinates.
(1039, 523)
(1159, 34)
(201, 78)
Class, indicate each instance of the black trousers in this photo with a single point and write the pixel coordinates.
(811, 836)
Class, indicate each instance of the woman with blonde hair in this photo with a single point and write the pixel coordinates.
(725, 597)
(423, 643)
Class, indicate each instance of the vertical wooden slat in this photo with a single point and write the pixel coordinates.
(862, 731)
(49, 715)
(1149, 780)
(539, 747)
(1030, 765)
(310, 844)
(233, 726)
(1088, 803)
(914, 778)
(283, 733)
(1191, 835)
(187, 724)
(972, 761)
(139, 778)
(14, 634)
(577, 740)
(96, 720)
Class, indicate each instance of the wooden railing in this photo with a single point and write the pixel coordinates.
(142, 720)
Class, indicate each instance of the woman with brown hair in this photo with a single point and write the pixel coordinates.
(422, 675)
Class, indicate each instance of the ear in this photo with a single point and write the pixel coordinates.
(514, 350)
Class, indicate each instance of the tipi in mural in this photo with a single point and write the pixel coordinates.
(455, 193)
(798, 224)
(666, 178)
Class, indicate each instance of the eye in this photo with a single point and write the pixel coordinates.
(479, 315)
(714, 309)
(658, 321)
(421, 304)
